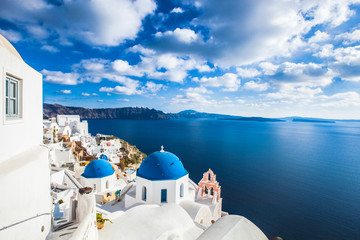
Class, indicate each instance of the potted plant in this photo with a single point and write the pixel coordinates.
(100, 220)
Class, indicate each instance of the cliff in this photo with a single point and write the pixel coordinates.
(136, 113)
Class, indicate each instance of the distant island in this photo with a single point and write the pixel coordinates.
(256, 119)
(312, 120)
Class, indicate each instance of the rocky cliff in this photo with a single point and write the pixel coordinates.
(136, 113)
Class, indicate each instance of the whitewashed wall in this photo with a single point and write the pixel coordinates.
(25, 203)
(153, 190)
(25, 132)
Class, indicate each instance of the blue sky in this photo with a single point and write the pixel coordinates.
(270, 58)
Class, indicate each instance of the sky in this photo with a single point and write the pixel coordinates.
(268, 58)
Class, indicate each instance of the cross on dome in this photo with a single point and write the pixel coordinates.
(162, 148)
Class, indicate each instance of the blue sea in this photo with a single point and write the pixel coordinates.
(295, 180)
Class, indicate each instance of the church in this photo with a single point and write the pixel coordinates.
(166, 204)
(162, 179)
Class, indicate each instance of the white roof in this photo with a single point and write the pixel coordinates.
(152, 222)
(193, 208)
(233, 227)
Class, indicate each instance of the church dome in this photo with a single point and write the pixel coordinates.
(161, 165)
(98, 169)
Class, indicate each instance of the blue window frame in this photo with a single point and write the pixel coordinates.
(11, 97)
(163, 195)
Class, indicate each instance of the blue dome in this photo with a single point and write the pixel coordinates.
(98, 169)
(103, 156)
(161, 166)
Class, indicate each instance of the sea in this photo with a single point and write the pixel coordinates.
(296, 180)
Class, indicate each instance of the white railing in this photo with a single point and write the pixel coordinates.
(86, 218)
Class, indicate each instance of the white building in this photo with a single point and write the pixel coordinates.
(74, 123)
(100, 175)
(59, 156)
(25, 205)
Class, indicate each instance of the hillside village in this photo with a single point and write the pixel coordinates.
(72, 145)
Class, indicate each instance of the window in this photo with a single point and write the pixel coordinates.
(182, 190)
(12, 97)
(144, 193)
(163, 195)
(107, 184)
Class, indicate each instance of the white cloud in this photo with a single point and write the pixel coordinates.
(349, 38)
(246, 32)
(292, 94)
(325, 51)
(182, 35)
(177, 10)
(153, 87)
(124, 68)
(302, 74)
(49, 48)
(12, 36)
(344, 61)
(141, 49)
(229, 82)
(93, 64)
(128, 87)
(168, 67)
(85, 94)
(95, 94)
(59, 77)
(65, 91)
(319, 37)
(123, 100)
(37, 31)
(100, 101)
(247, 72)
(254, 86)
(268, 68)
(340, 100)
(204, 68)
(95, 22)
(193, 97)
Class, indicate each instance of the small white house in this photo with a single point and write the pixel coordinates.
(99, 175)
(74, 124)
